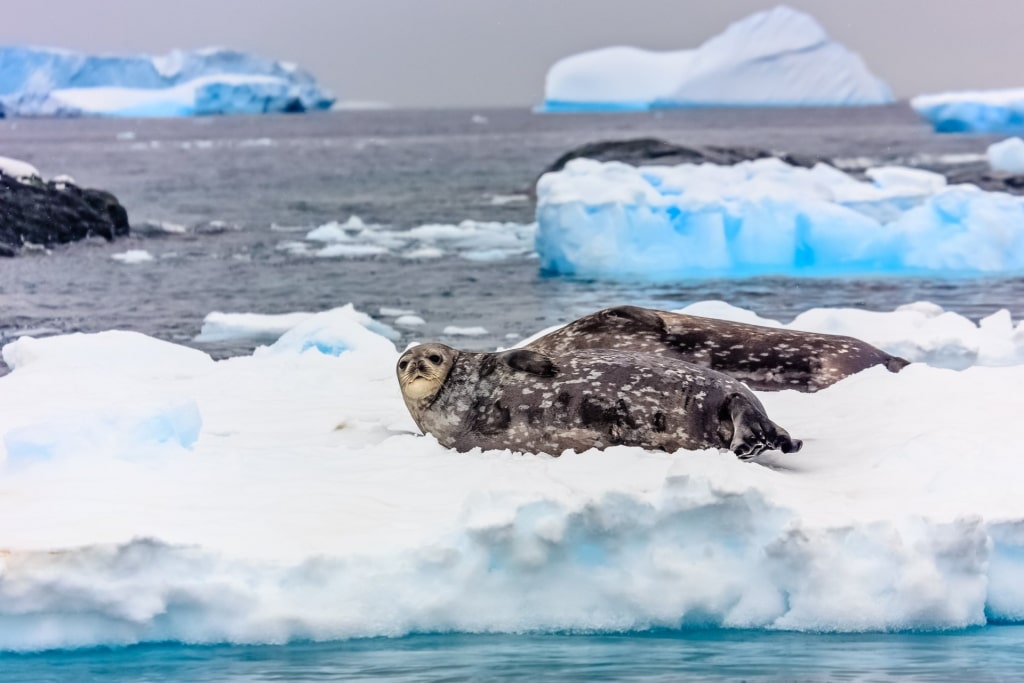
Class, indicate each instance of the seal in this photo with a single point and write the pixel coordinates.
(764, 358)
(531, 402)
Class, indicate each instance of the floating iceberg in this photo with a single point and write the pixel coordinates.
(51, 82)
(974, 111)
(779, 57)
(767, 217)
(161, 496)
(1007, 156)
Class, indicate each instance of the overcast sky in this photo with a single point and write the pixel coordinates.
(496, 52)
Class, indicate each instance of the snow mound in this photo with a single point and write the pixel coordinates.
(973, 111)
(50, 82)
(614, 220)
(778, 57)
(1007, 156)
(162, 497)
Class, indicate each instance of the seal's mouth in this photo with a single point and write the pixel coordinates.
(419, 386)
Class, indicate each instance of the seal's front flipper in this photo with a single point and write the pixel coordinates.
(753, 432)
(525, 360)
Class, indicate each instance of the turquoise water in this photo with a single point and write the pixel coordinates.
(994, 653)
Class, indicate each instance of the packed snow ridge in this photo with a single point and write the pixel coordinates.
(51, 82)
(285, 495)
(973, 111)
(778, 57)
(766, 217)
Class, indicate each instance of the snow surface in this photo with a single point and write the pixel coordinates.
(656, 222)
(973, 111)
(151, 494)
(1007, 156)
(778, 57)
(48, 82)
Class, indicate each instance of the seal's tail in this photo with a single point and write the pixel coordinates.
(895, 363)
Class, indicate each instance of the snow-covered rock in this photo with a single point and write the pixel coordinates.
(779, 57)
(51, 82)
(973, 111)
(661, 222)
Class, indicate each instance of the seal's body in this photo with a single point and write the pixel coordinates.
(764, 358)
(527, 401)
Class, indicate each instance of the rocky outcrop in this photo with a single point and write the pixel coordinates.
(34, 211)
(652, 151)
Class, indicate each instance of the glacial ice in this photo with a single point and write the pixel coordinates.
(51, 82)
(1007, 156)
(765, 217)
(153, 495)
(779, 57)
(973, 111)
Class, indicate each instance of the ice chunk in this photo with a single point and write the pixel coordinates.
(133, 256)
(253, 327)
(613, 220)
(457, 331)
(1007, 156)
(335, 332)
(48, 82)
(776, 57)
(974, 111)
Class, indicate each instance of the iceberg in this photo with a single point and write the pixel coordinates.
(1007, 156)
(973, 111)
(161, 496)
(612, 220)
(51, 82)
(779, 57)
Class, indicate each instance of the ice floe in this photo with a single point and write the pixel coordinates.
(151, 494)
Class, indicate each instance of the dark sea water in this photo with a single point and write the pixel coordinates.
(274, 178)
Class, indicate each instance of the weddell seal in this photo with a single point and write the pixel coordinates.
(764, 358)
(527, 401)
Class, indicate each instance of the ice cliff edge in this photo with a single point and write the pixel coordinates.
(37, 81)
(778, 57)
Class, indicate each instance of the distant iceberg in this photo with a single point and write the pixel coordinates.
(779, 57)
(51, 82)
(974, 111)
(612, 220)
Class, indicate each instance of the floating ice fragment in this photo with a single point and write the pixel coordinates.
(455, 331)
(133, 256)
(1007, 156)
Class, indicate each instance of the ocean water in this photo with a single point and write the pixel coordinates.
(989, 654)
(273, 179)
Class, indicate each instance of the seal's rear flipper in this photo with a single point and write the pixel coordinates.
(895, 363)
(753, 432)
(529, 361)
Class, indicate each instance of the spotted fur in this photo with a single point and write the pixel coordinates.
(537, 403)
(764, 358)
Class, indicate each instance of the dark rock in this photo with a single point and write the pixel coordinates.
(49, 213)
(651, 151)
(982, 175)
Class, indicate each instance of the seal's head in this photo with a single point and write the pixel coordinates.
(422, 371)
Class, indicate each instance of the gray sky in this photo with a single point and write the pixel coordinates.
(496, 52)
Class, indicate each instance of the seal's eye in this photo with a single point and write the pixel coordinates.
(435, 359)
(403, 365)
